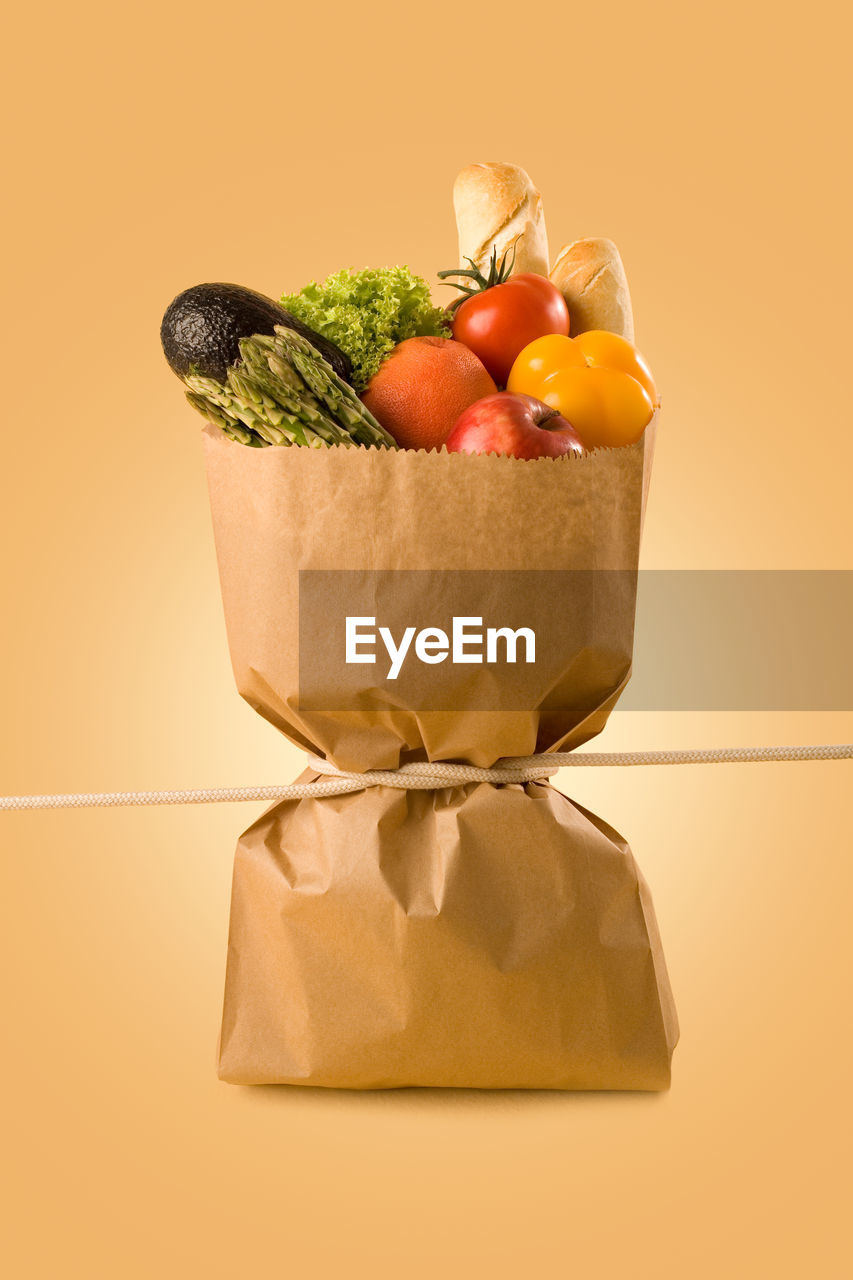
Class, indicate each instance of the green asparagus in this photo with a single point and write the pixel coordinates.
(282, 392)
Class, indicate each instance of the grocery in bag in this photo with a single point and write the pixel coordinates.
(427, 526)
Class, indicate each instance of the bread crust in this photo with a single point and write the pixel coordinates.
(498, 207)
(591, 277)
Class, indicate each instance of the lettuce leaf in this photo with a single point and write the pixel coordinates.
(366, 313)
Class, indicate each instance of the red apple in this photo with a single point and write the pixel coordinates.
(513, 424)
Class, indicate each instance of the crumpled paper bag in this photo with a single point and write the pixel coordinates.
(472, 936)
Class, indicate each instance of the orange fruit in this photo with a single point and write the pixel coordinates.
(423, 387)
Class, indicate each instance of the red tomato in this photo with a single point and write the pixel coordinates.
(499, 322)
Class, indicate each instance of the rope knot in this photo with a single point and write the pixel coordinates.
(432, 775)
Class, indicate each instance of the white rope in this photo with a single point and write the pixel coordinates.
(429, 777)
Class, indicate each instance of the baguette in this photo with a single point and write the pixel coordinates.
(591, 277)
(498, 207)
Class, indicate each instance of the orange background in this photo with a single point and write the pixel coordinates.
(154, 146)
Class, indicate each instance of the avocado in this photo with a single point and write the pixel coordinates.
(203, 326)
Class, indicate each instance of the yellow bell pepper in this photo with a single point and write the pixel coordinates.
(598, 381)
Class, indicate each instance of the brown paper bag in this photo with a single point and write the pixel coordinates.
(482, 936)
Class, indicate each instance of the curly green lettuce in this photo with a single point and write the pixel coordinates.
(366, 313)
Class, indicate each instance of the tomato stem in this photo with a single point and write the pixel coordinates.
(499, 273)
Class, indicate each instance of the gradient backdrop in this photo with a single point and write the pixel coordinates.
(153, 146)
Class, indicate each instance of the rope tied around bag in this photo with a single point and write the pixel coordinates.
(427, 776)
